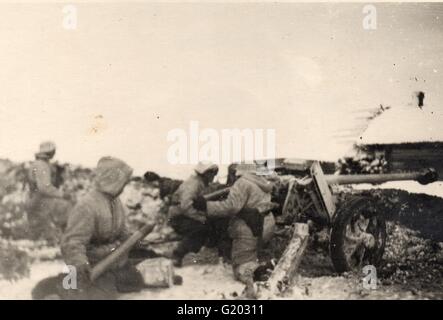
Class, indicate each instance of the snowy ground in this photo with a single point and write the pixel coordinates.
(216, 282)
(316, 279)
(21, 289)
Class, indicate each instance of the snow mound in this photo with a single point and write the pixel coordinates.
(199, 282)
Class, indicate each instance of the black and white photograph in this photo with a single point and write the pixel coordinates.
(222, 150)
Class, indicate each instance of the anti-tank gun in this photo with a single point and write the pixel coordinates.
(357, 229)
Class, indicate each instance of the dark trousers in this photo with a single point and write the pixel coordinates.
(195, 235)
(220, 237)
(106, 287)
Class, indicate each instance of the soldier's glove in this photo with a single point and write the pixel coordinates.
(199, 204)
(83, 275)
(254, 220)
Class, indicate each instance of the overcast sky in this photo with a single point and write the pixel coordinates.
(135, 71)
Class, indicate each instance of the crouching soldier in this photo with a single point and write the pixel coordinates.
(96, 227)
(47, 205)
(188, 222)
(166, 186)
(248, 194)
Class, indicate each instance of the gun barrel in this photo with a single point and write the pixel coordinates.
(376, 178)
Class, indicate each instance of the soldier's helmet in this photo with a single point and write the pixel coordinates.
(203, 167)
(46, 149)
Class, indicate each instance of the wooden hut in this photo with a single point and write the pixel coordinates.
(409, 138)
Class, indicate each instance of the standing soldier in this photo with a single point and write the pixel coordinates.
(249, 193)
(188, 222)
(47, 206)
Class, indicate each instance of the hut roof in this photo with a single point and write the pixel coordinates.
(404, 125)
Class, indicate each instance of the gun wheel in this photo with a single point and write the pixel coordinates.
(358, 235)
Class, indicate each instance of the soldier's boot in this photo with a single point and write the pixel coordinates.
(177, 256)
(245, 274)
(263, 272)
(128, 279)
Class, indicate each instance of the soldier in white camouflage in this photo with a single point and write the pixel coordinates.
(188, 222)
(249, 192)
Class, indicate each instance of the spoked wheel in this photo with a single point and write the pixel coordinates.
(358, 235)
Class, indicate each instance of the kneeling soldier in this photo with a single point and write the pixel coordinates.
(190, 223)
(249, 193)
(96, 227)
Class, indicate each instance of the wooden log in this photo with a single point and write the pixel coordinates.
(124, 248)
(282, 276)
